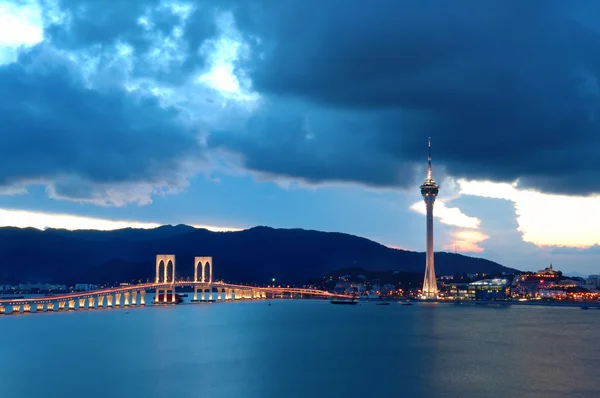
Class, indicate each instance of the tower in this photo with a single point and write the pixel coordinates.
(429, 190)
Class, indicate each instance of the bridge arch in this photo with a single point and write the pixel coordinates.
(170, 272)
(160, 271)
(165, 268)
(206, 265)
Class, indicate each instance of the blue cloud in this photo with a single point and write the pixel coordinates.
(82, 141)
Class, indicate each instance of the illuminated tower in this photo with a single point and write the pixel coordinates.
(429, 190)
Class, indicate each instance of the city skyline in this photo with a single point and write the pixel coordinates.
(172, 114)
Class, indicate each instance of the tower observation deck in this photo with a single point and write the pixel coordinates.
(429, 190)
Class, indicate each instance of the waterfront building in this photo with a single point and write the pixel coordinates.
(388, 289)
(454, 290)
(84, 287)
(553, 294)
(594, 280)
(489, 289)
(36, 287)
(528, 285)
(349, 287)
(429, 191)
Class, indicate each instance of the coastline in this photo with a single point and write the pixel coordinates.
(534, 303)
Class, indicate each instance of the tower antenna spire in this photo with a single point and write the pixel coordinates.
(429, 173)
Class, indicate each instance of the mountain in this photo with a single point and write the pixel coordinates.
(255, 255)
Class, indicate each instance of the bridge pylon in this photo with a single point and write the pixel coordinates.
(205, 264)
(165, 274)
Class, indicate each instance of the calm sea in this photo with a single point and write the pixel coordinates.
(302, 349)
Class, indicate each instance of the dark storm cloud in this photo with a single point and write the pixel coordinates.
(353, 89)
(506, 89)
(101, 24)
(52, 127)
(315, 145)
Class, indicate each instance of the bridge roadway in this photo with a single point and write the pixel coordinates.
(165, 286)
(125, 296)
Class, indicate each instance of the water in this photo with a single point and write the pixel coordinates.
(302, 349)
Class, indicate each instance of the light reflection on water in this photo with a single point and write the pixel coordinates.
(296, 348)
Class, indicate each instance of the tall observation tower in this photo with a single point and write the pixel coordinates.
(429, 190)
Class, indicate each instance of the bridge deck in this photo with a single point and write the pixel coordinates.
(152, 286)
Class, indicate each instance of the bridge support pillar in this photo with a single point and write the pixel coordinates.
(2, 310)
(134, 297)
(100, 302)
(50, 306)
(91, 305)
(39, 307)
(109, 301)
(61, 305)
(26, 307)
(157, 296)
(81, 304)
(117, 299)
(16, 309)
(195, 294)
(143, 297)
(71, 305)
(126, 294)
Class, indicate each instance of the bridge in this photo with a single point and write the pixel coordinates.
(164, 285)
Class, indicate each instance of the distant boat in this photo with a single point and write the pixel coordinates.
(385, 303)
(344, 301)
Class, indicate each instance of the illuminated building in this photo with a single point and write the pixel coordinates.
(553, 294)
(429, 190)
(488, 289)
(547, 273)
(454, 290)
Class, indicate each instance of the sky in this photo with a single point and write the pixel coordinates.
(227, 114)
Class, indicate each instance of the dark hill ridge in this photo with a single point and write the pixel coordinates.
(255, 255)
